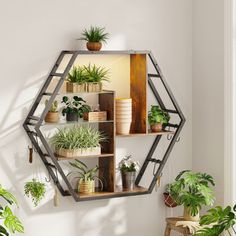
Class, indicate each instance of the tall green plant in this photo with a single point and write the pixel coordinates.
(9, 223)
(217, 221)
(95, 34)
(192, 190)
(96, 74)
(77, 75)
(77, 137)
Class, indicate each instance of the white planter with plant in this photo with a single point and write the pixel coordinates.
(95, 76)
(86, 177)
(94, 37)
(52, 116)
(76, 81)
(192, 190)
(77, 141)
(128, 168)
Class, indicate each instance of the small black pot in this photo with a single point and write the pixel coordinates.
(128, 180)
(72, 117)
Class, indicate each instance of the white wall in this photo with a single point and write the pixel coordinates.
(32, 35)
(208, 90)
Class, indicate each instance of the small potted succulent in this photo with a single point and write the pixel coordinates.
(157, 118)
(94, 37)
(52, 116)
(75, 108)
(95, 75)
(192, 190)
(35, 190)
(76, 81)
(77, 141)
(128, 168)
(86, 176)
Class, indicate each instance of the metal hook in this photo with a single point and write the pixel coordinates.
(178, 139)
(48, 179)
(169, 136)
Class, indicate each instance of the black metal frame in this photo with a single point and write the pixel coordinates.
(36, 122)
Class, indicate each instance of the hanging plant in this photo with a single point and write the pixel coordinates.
(35, 190)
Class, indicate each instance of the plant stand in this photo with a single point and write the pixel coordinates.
(171, 225)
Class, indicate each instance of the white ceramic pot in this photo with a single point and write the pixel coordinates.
(124, 100)
(118, 106)
(123, 120)
(124, 116)
(123, 127)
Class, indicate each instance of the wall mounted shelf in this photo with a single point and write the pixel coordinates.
(139, 81)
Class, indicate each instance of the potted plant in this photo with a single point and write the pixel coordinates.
(74, 108)
(76, 82)
(218, 220)
(52, 116)
(35, 190)
(86, 176)
(9, 222)
(95, 75)
(77, 141)
(157, 118)
(192, 190)
(95, 36)
(128, 168)
(168, 199)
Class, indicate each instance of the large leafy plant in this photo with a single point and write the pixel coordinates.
(75, 105)
(35, 190)
(192, 190)
(96, 74)
(156, 115)
(94, 34)
(77, 75)
(77, 137)
(217, 221)
(9, 223)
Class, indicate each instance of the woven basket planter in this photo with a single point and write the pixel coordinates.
(86, 186)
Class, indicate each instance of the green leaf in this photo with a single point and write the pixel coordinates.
(3, 231)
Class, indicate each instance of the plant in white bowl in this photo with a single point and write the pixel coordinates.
(128, 168)
(77, 141)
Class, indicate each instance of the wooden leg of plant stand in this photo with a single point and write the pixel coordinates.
(167, 230)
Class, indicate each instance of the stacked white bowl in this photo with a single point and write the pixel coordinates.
(123, 115)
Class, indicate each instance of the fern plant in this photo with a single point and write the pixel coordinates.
(95, 34)
(77, 75)
(96, 74)
(192, 190)
(9, 223)
(217, 221)
(35, 190)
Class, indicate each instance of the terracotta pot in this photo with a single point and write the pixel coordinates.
(169, 201)
(86, 186)
(189, 217)
(52, 117)
(156, 128)
(72, 117)
(94, 46)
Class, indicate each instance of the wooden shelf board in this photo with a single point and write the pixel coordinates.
(86, 93)
(145, 134)
(60, 158)
(119, 192)
(81, 121)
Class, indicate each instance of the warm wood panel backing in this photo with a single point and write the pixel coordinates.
(138, 92)
(107, 164)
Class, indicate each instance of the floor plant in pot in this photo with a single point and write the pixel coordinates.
(9, 223)
(94, 37)
(74, 108)
(53, 115)
(77, 141)
(157, 118)
(95, 76)
(86, 176)
(76, 81)
(218, 221)
(128, 168)
(35, 190)
(192, 190)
